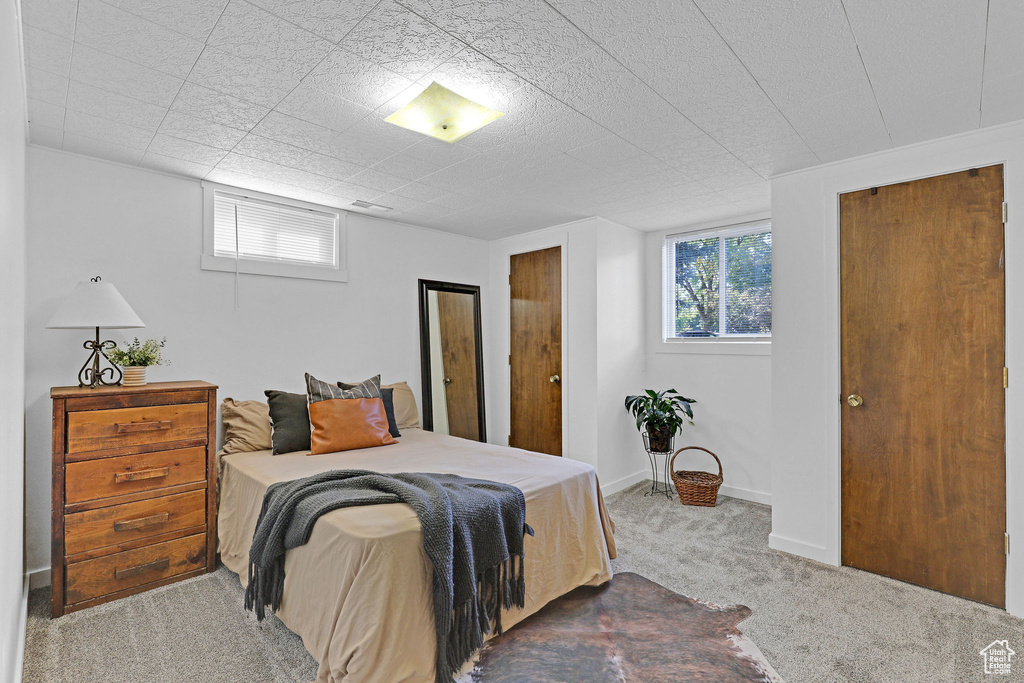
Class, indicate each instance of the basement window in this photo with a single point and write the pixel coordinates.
(258, 234)
(718, 285)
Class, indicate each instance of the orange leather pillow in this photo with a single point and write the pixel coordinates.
(344, 424)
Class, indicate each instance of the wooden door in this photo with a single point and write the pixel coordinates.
(455, 312)
(535, 360)
(922, 328)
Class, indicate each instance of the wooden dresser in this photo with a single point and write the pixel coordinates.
(134, 489)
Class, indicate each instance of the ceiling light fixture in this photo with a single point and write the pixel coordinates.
(443, 114)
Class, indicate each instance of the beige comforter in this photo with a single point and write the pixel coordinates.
(358, 593)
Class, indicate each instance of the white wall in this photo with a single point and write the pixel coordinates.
(142, 231)
(602, 327)
(805, 358)
(732, 385)
(12, 338)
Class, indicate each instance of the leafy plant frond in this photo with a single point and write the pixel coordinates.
(660, 409)
(139, 354)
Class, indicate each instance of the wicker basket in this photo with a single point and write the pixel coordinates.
(694, 486)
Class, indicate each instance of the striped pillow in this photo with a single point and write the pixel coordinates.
(317, 390)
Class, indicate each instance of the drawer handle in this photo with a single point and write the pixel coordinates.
(142, 522)
(135, 427)
(158, 565)
(155, 473)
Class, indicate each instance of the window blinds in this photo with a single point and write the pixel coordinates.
(268, 231)
(718, 283)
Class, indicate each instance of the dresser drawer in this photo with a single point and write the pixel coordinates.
(107, 477)
(133, 521)
(105, 575)
(98, 430)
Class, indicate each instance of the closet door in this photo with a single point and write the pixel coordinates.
(923, 418)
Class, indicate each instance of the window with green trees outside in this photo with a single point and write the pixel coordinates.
(719, 283)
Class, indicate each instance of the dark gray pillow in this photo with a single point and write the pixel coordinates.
(289, 421)
(388, 397)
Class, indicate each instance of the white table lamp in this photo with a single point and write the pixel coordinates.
(95, 304)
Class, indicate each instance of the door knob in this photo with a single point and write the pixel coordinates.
(554, 379)
(446, 381)
(855, 400)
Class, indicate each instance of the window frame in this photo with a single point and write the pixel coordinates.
(740, 344)
(210, 261)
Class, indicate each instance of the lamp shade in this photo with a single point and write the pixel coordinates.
(95, 304)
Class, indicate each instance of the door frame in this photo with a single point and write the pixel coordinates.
(526, 244)
(908, 171)
(426, 398)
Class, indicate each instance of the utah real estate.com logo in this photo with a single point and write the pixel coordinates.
(997, 658)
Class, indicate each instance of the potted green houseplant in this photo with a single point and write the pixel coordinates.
(136, 357)
(661, 413)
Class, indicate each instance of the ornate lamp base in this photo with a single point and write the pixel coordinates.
(91, 375)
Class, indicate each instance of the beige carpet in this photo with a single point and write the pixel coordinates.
(815, 624)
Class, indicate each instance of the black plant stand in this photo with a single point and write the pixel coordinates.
(664, 484)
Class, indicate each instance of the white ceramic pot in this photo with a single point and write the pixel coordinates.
(133, 376)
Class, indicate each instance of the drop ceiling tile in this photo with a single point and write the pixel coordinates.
(1005, 20)
(186, 127)
(330, 20)
(123, 77)
(533, 41)
(397, 203)
(377, 180)
(606, 152)
(114, 31)
(418, 191)
(194, 18)
(849, 149)
(400, 41)
(843, 118)
(356, 79)
(478, 78)
(355, 150)
(438, 152)
(311, 104)
(373, 128)
(45, 114)
(47, 51)
(275, 172)
(915, 72)
(46, 136)
(272, 150)
(796, 49)
(1004, 58)
(638, 106)
(246, 80)
(253, 34)
(405, 166)
(54, 16)
(175, 165)
(185, 150)
(103, 130)
(47, 87)
(587, 79)
(284, 128)
(332, 167)
(104, 149)
(108, 105)
(218, 107)
(655, 135)
(1003, 100)
(731, 180)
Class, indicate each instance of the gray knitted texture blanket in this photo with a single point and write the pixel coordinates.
(472, 533)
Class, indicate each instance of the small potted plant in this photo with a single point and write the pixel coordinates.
(661, 414)
(136, 357)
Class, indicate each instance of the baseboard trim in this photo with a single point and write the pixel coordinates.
(799, 548)
(746, 494)
(624, 483)
(40, 578)
(19, 656)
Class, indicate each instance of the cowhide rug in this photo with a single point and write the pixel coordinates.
(628, 630)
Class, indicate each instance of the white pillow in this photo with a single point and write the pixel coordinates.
(406, 415)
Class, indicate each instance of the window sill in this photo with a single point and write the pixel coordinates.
(718, 347)
(291, 270)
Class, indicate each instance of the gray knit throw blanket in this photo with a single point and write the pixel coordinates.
(472, 533)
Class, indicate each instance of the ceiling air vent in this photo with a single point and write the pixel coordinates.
(370, 206)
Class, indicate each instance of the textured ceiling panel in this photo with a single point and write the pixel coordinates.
(654, 113)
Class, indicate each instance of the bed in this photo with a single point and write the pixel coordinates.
(358, 593)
